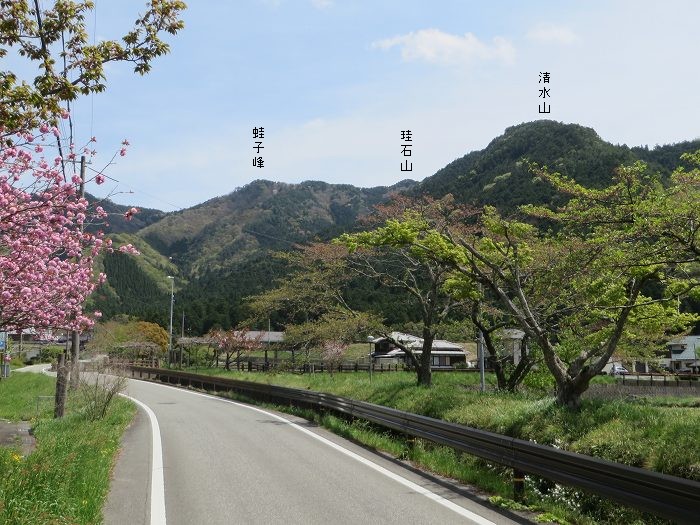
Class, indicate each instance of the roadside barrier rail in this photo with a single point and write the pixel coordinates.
(670, 497)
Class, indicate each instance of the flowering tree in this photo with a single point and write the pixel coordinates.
(46, 259)
(235, 342)
(333, 353)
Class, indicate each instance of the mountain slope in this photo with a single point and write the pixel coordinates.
(221, 248)
(262, 215)
(498, 176)
(116, 223)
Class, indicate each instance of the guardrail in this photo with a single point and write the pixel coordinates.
(667, 496)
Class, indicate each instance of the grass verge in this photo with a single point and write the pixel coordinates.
(66, 479)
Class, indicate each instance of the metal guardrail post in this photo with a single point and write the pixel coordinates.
(518, 485)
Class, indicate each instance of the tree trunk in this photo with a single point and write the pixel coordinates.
(75, 360)
(425, 374)
(569, 392)
(61, 387)
(524, 366)
(501, 379)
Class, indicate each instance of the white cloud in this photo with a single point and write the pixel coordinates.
(322, 4)
(437, 47)
(553, 33)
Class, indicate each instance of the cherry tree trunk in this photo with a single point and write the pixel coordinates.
(75, 360)
(61, 387)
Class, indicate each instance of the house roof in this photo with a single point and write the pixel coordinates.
(440, 346)
(397, 352)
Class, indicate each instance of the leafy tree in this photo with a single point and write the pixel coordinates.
(311, 301)
(56, 41)
(578, 290)
(153, 333)
(490, 322)
(385, 255)
(126, 336)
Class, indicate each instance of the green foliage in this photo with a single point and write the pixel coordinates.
(567, 148)
(50, 352)
(36, 35)
(506, 503)
(223, 247)
(124, 336)
(131, 289)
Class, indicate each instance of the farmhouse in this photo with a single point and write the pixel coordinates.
(444, 354)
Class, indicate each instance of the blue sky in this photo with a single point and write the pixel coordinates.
(333, 82)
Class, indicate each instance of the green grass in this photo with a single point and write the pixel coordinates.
(19, 392)
(66, 479)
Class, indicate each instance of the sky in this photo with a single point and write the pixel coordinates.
(334, 82)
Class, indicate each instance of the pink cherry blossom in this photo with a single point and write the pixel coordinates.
(46, 260)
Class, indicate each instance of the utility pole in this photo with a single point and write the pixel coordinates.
(480, 351)
(75, 334)
(170, 330)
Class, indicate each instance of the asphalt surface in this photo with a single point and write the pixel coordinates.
(226, 463)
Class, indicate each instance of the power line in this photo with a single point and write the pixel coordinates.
(251, 232)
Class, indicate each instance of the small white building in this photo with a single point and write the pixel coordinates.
(682, 353)
(443, 353)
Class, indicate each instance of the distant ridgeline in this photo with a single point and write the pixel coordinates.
(220, 249)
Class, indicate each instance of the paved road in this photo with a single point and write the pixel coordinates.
(227, 463)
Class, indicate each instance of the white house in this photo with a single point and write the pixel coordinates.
(682, 353)
(443, 353)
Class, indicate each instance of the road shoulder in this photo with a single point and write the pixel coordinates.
(129, 492)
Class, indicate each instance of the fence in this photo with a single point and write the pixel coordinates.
(666, 496)
(661, 380)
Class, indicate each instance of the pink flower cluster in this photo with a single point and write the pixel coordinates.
(46, 260)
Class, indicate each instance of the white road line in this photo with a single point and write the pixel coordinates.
(157, 481)
(480, 520)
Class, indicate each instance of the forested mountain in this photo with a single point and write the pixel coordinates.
(136, 285)
(262, 215)
(498, 176)
(115, 221)
(220, 250)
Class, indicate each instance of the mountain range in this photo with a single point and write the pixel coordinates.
(219, 251)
